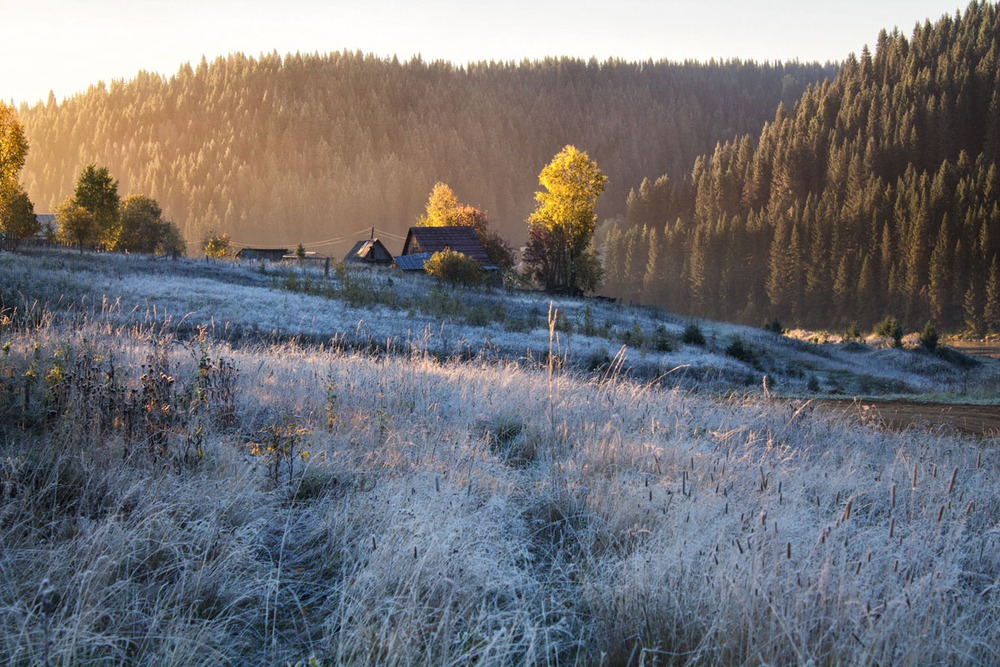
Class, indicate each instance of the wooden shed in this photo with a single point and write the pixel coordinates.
(412, 262)
(369, 251)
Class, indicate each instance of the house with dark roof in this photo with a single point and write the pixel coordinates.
(422, 242)
(369, 251)
(262, 254)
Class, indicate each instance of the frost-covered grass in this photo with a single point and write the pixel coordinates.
(386, 309)
(433, 510)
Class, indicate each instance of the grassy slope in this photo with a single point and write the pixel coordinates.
(457, 510)
(383, 309)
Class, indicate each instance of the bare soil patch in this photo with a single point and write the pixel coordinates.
(977, 420)
(977, 348)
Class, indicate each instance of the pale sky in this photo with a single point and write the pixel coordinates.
(67, 45)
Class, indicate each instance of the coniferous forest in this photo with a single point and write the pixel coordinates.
(874, 195)
(307, 148)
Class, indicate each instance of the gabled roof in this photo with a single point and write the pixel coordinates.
(461, 239)
(359, 248)
(369, 250)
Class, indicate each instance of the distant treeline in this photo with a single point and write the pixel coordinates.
(876, 194)
(306, 148)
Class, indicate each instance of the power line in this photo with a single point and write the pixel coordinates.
(334, 241)
(382, 232)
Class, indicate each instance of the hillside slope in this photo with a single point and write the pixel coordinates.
(308, 148)
(400, 313)
(874, 195)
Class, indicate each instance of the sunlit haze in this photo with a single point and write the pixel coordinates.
(67, 45)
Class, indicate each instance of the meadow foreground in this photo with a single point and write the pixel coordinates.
(176, 494)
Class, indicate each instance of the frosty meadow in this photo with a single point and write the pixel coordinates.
(214, 465)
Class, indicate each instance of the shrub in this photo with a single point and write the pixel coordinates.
(356, 287)
(598, 359)
(454, 267)
(662, 340)
(853, 332)
(588, 328)
(216, 245)
(279, 445)
(481, 315)
(562, 322)
(693, 335)
(774, 326)
(633, 336)
(956, 358)
(506, 438)
(519, 324)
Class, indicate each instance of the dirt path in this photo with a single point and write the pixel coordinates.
(978, 420)
(976, 348)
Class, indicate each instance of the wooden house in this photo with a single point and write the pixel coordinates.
(422, 242)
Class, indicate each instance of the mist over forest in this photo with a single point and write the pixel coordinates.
(306, 148)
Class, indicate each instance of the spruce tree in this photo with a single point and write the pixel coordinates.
(939, 286)
(991, 302)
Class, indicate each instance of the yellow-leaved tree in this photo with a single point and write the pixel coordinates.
(76, 225)
(13, 146)
(444, 210)
(216, 245)
(17, 214)
(559, 254)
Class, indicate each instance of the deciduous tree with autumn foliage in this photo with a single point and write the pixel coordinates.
(559, 255)
(17, 215)
(444, 210)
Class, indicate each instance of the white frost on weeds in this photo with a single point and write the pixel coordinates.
(456, 511)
